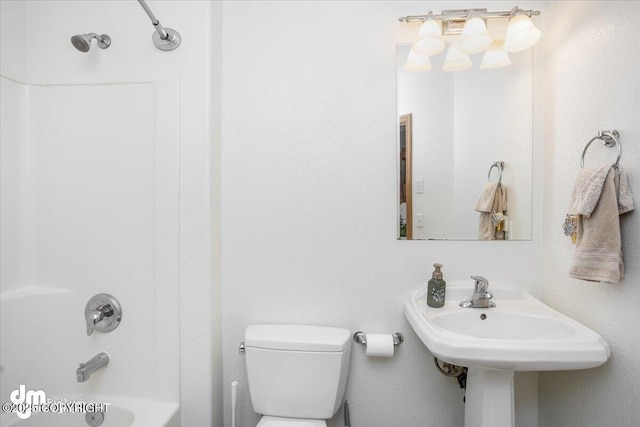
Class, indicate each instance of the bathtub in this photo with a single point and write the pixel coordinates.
(121, 412)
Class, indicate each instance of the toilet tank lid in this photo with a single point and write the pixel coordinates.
(297, 337)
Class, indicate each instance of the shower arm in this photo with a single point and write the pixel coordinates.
(161, 32)
(164, 38)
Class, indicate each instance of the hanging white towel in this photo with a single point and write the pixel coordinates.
(492, 200)
(600, 196)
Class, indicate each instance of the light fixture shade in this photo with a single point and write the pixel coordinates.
(417, 62)
(495, 57)
(475, 37)
(456, 60)
(521, 34)
(429, 38)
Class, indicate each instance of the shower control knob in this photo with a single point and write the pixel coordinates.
(102, 313)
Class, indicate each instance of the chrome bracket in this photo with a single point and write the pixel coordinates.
(605, 136)
(361, 338)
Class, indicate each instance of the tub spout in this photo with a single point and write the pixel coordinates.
(84, 372)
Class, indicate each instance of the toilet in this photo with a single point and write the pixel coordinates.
(297, 374)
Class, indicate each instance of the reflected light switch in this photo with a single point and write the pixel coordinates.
(419, 186)
(419, 220)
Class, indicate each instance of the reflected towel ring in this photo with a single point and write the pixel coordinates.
(609, 138)
(500, 166)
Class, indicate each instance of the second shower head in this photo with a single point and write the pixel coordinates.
(82, 42)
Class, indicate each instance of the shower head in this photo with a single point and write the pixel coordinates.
(82, 42)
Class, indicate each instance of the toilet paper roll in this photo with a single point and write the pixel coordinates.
(379, 345)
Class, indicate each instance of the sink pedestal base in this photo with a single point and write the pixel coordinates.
(489, 398)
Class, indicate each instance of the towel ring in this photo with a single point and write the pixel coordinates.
(500, 166)
(609, 139)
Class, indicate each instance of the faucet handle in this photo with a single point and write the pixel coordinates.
(481, 283)
(90, 327)
(94, 316)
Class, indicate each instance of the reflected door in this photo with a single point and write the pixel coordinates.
(405, 211)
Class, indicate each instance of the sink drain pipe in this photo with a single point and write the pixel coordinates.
(450, 370)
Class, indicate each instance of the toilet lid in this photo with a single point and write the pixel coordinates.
(267, 421)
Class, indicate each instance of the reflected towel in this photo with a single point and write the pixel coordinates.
(600, 196)
(488, 194)
(492, 199)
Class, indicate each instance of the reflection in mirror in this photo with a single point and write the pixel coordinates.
(459, 125)
(406, 217)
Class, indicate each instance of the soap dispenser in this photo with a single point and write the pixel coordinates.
(436, 289)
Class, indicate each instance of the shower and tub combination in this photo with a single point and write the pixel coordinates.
(89, 231)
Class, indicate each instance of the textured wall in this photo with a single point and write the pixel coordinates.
(592, 84)
(309, 201)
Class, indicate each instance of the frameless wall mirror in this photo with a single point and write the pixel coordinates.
(457, 131)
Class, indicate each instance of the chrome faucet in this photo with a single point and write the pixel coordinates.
(84, 372)
(480, 298)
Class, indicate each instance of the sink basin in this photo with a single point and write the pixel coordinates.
(519, 334)
(503, 326)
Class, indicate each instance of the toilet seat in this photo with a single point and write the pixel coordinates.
(267, 421)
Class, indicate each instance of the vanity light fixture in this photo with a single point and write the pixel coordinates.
(416, 62)
(471, 31)
(456, 60)
(521, 34)
(429, 41)
(475, 36)
(495, 56)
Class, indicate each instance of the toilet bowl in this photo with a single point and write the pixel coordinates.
(297, 374)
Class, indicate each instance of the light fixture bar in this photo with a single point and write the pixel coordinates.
(453, 15)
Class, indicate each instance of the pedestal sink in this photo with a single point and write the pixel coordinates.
(519, 334)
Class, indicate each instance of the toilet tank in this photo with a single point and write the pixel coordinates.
(297, 371)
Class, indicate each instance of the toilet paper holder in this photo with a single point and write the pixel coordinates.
(361, 338)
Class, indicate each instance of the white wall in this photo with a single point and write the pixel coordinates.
(13, 250)
(309, 201)
(50, 59)
(592, 85)
(13, 37)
